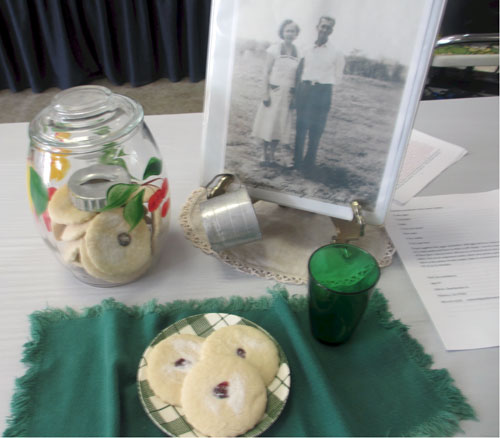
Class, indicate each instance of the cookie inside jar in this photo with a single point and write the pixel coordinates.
(108, 226)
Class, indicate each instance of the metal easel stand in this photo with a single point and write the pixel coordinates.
(355, 230)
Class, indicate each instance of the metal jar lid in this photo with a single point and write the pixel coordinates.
(88, 187)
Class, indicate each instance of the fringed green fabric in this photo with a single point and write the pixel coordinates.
(21, 401)
(445, 422)
(41, 320)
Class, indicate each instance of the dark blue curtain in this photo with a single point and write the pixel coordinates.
(64, 43)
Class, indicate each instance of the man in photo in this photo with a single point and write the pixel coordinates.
(320, 70)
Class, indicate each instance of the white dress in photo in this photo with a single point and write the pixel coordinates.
(274, 122)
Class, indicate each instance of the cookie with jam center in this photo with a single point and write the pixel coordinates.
(169, 362)
(223, 396)
(246, 344)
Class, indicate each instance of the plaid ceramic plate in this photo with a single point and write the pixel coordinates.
(170, 419)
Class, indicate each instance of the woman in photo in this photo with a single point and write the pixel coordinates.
(273, 122)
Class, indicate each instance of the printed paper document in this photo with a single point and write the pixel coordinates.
(449, 247)
(425, 159)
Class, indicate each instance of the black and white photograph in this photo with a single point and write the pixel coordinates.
(316, 95)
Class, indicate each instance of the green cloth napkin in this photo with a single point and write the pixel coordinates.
(81, 379)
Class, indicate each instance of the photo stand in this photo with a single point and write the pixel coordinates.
(289, 236)
(358, 231)
(221, 183)
(225, 180)
(267, 61)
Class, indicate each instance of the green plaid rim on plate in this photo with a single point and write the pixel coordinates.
(170, 419)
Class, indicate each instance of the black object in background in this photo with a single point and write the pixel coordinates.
(464, 17)
(64, 43)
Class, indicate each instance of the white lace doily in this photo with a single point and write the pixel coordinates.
(289, 237)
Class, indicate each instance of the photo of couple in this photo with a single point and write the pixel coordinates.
(315, 93)
(297, 82)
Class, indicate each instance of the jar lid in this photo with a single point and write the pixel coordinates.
(88, 187)
(84, 117)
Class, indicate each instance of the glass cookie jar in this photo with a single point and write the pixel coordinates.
(97, 185)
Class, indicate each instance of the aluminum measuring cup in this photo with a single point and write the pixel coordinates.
(228, 215)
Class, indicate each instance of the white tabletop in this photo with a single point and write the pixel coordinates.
(32, 279)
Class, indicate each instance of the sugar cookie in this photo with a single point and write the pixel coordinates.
(168, 364)
(74, 232)
(114, 250)
(58, 230)
(223, 396)
(91, 269)
(70, 251)
(62, 211)
(245, 343)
